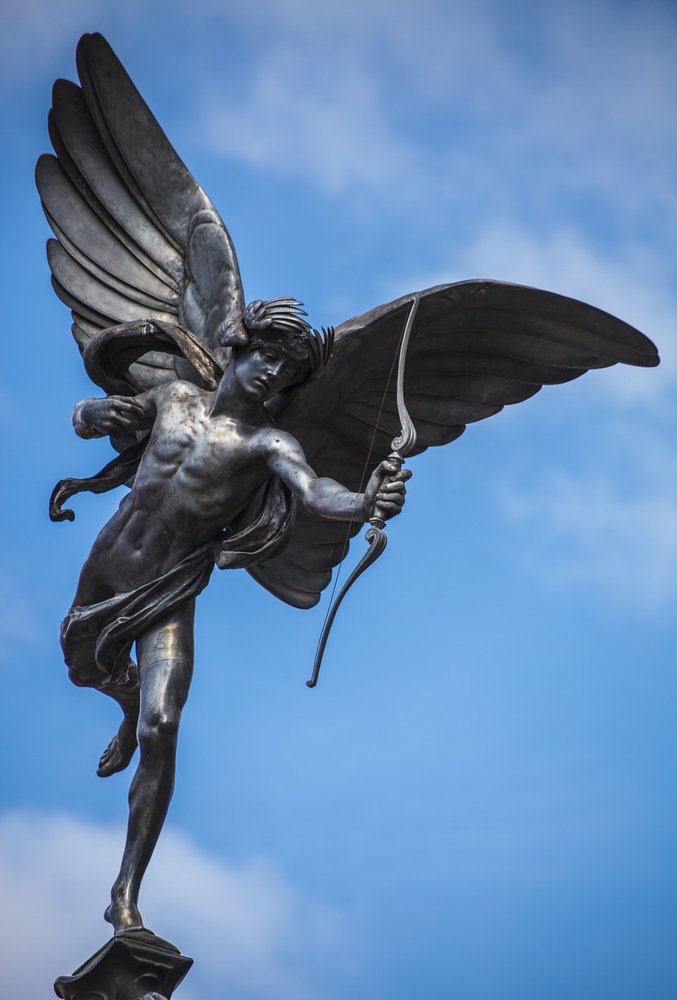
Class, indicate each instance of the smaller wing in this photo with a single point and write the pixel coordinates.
(136, 236)
(476, 346)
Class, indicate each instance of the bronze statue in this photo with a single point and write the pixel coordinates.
(247, 438)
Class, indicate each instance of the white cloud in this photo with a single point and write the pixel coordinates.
(32, 32)
(249, 930)
(459, 102)
(301, 120)
(454, 105)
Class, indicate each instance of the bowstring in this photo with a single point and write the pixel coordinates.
(346, 541)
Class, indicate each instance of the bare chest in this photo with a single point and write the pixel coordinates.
(190, 447)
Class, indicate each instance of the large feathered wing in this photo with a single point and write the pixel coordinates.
(137, 237)
(476, 346)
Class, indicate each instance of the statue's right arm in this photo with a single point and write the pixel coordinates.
(114, 415)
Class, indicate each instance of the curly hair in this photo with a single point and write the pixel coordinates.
(279, 323)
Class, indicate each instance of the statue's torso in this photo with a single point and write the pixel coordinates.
(197, 473)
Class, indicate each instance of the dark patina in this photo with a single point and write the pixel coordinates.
(248, 439)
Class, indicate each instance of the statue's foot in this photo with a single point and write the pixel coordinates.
(120, 750)
(123, 914)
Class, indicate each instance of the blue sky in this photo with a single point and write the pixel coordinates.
(478, 800)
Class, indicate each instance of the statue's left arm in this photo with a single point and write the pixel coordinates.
(327, 497)
(113, 415)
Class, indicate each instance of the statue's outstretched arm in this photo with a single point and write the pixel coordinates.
(114, 415)
(329, 498)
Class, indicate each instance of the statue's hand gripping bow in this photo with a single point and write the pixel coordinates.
(401, 446)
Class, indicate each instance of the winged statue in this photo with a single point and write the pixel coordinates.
(247, 438)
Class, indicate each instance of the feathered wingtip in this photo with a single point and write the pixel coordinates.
(321, 345)
(284, 313)
(288, 315)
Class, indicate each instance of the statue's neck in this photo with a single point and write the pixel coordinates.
(229, 401)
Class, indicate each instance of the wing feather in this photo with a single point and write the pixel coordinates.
(316, 546)
(75, 223)
(99, 295)
(477, 347)
(101, 188)
(137, 236)
(95, 318)
(136, 293)
(154, 173)
(99, 166)
(301, 578)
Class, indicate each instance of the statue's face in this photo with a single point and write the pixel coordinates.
(263, 372)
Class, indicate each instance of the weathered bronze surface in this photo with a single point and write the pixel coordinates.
(135, 965)
(248, 440)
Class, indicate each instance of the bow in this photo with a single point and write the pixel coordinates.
(401, 446)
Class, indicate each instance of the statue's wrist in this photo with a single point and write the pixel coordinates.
(363, 507)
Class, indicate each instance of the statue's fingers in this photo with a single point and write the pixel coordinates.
(389, 508)
(129, 406)
(391, 496)
(120, 416)
(126, 423)
(390, 467)
(393, 486)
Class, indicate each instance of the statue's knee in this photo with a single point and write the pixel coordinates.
(159, 731)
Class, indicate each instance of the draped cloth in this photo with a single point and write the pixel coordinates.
(97, 638)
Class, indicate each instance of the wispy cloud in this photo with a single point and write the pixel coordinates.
(434, 102)
(31, 33)
(301, 120)
(445, 100)
(251, 932)
(612, 529)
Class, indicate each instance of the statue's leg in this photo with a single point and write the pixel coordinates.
(80, 656)
(120, 750)
(165, 660)
(83, 672)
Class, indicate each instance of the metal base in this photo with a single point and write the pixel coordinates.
(130, 966)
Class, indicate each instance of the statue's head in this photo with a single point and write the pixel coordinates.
(281, 350)
(279, 324)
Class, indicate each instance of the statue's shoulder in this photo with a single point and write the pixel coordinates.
(178, 389)
(273, 443)
(274, 437)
